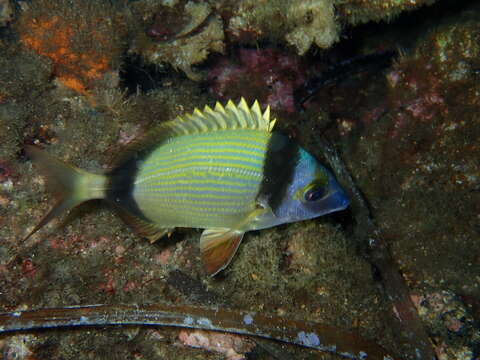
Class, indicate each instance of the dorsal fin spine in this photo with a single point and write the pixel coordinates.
(175, 129)
(221, 119)
(215, 118)
(230, 116)
(208, 113)
(190, 127)
(232, 110)
(198, 123)
(266, 116)
(255, 109)
(182, 127)
(219, 107)
(236, 116)
(246, 114)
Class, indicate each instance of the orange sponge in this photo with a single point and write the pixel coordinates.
(82, 47)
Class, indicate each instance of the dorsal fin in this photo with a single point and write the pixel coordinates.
(231, 116)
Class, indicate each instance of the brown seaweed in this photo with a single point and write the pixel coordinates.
(303, 333)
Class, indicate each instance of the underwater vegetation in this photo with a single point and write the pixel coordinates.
(399, 268)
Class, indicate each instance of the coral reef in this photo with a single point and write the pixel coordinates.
(303, 23)
(184, 33)
(413, 151)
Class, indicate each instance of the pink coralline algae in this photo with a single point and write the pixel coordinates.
(232, 346)
(267, 75)
(419, 90)
(6, 172)
(425, 93)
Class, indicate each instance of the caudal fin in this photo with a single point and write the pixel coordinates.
(70, 185)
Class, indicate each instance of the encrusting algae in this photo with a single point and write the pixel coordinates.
(220, 169)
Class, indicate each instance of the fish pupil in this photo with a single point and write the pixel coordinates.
(314, 194)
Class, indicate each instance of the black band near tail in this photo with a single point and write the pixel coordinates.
(280, 161)
(121, 185)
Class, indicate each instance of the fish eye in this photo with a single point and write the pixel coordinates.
(314, 193)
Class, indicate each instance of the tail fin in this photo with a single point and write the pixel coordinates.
(71, 186)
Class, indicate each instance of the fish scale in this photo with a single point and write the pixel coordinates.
(212, 163)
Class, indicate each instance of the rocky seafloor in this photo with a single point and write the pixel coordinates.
(83, 78)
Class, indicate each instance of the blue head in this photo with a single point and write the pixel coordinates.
(313, 191)
(295, 186)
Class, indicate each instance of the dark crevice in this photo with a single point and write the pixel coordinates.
(136, 75)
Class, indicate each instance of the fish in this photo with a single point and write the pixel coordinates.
(222, 169)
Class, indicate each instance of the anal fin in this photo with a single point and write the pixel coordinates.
(151, 231)
(217, 247)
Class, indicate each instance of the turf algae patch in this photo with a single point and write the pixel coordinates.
(23, 81)
(309, 270)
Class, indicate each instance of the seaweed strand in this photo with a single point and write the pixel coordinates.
(303, 333)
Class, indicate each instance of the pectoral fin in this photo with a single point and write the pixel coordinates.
(217, 247)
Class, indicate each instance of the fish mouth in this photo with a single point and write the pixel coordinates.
(342, 200)
(336, 201)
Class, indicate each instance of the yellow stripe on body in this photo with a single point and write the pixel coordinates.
(191, 148)
(189, 153)
(183, 152)
(184, 215)
(198, 161)
(192, 210)
(193, 185)
(198, 193)
(232, 183)
(200, 169)
(244, 142)
(214, 189)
